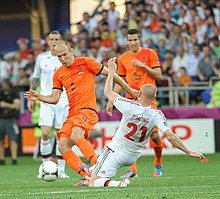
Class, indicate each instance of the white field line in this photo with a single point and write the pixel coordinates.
(169, 177)
(109, 190)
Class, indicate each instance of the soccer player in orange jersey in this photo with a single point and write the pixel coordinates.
(77, 76)
(140, 66)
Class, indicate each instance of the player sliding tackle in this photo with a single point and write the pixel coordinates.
(137, 124)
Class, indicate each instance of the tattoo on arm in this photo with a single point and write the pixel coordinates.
(35, 83)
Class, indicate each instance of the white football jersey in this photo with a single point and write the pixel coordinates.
(136, 125)
(46, 65)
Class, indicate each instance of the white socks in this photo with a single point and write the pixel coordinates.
(105, 182)
(45, 149)
(61, 162)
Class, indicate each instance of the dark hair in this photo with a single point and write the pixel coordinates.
(7, 82)
(55, 32)
(134, 32)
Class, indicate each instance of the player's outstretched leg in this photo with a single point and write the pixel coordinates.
(73, 161)
(87, 150)
(157, 144)
(106, 182)
(61, 163)
(85, 181)
(132, 172)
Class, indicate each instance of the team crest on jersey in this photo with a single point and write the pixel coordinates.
(165, 123)
(136, 76)
(157, 62)
(99, 65)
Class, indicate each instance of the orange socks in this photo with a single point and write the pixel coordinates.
(158, 155)
(87, 150)
(133, 167)
(158, 147)
(73, 161)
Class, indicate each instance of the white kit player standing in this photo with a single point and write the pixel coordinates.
(50, 115)
(136, 126)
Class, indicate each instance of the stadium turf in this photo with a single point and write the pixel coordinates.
(183, 177)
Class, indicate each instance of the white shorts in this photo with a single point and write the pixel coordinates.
(53, 115)
(110, 161)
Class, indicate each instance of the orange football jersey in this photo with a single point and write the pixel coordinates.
(79, 82)
(136, 76)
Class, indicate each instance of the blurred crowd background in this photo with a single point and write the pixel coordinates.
(185, 34)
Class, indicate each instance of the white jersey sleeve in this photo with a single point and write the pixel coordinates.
(161, 121)
(124, 105)
(46, 65)
(37, 69)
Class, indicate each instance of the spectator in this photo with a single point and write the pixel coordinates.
(106, 41)
(29, 67)
(193, 61)
(37, 46)
(121, 37)
(132, 20)
(23, 47)
(4, 69)
(216, 11)
(167, 64)
(175, 38)
(216, 47)
(9, 112)
(22, 84)
(162, 48)
(17, 63)
(207, 67)
(155, 23)
(82, 46)
(113, 16)
(184, 18)
(180, 60)
(95, 54)
(201, 29)
(183, 80)
(215, 96)
(89, 23)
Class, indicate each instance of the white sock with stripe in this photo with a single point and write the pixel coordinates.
(105, 182)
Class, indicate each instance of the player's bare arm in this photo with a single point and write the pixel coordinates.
(108, 91)
(156, 73)
(50, 99)
(117, 79)
(175, 140)
(117, 89)
(33, 86)
(35, 83)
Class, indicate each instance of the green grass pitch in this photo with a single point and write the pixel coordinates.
(183, 177)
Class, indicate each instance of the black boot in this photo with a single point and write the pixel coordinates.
(14, 162)
(2, 162)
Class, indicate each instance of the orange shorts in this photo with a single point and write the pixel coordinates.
(84, 118)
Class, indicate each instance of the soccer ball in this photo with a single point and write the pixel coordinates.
(48, 171)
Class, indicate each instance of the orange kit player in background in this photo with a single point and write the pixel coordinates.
(77, 76)
(140, 66)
